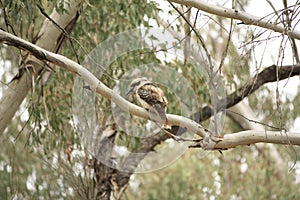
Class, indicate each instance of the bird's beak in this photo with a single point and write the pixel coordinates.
(129, 92)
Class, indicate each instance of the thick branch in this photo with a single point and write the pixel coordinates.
(238, 15)
(50, 38)
(269, 74)
(95, 84)
(255, 136)
(247, 124)
(230, 140)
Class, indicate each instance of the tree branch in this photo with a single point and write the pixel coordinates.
(269, 74)
(239, 15)
(50, 39)
(238, 113)
(252, 137)
(229, 140)
(95, 84)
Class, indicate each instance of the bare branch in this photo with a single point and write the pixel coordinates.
(95, 84)
(238, 113)
(246, 18)
(229, 140)
(269, 74)
(289, 25)
(254, 136)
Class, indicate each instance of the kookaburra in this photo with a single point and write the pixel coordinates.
(151, 97)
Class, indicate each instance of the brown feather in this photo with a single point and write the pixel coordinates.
(152, 95)
(153, 98)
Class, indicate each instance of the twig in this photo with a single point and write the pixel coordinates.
(246, 18)
(95, 84)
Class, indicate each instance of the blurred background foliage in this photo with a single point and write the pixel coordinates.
(34, 151)
(242, 173)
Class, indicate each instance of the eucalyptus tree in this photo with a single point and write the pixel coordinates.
(68, 130)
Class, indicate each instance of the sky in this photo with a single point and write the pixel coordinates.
(287, 87)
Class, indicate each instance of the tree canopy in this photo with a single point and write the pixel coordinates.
(231, 77)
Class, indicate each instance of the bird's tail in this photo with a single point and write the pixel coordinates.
(159, 110)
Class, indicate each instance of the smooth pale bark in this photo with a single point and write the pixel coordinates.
(255, 136)
(244, 17)
(245, 110)
(18, 89)
(96, 85)
(100, 88)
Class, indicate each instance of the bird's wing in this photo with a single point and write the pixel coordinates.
(151, 94)
(155, 98)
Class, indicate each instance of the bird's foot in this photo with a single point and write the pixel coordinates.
(208, 142)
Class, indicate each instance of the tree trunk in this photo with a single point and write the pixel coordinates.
(110, 183)
(50, 38)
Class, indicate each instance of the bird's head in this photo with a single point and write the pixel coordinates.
(136, 83)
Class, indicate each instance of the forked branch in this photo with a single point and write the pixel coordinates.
(246, 18)
(95, 84)
(228, 141)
